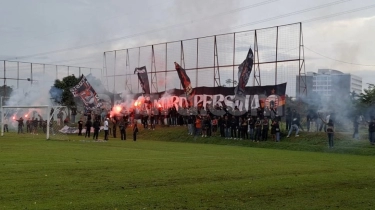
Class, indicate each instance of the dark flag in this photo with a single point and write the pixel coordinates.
(185, 80)
(87, 93)
(143, 80)
(244, 71)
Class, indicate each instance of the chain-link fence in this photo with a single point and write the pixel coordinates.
(16, 74)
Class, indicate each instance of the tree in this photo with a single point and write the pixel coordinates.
(366, 101)
(231, 82)
(67, 98)
(5, 91)
(368, 97)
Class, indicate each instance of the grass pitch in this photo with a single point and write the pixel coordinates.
(180, 172)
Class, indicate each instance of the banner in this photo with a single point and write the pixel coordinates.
(185, 80)
(87, 94)
(244, 71)
(143, 79)
(268, 98)
(73, 130)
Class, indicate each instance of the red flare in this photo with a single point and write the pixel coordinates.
(118, 108)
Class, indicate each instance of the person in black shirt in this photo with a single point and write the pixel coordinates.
(371, 130)
(28, 126)
(221, 126)
(96, 126)
(88, 128)
(191, 124)
(122, 127)
(265, 128)
(114, 126)
(258, 130)
(152, 121)
(251, 127)
(275, 130)
(233, 128)
(135, 131)
(20, 125)
(227, 127)
(288, 118)
(34, 126)
(80, 127)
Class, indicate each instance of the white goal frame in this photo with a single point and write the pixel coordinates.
(48, 107)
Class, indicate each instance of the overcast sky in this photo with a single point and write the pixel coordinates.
(77, 32)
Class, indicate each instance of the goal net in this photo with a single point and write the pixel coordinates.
(34, 121)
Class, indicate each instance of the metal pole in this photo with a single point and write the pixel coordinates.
(299, 62)
(234, 56)
(277, 45)
(196, 71)
(139, 60)
(31, 73)
(166, 65)
(18, 74)
(48, 121)
(5, 89)
(114, 78)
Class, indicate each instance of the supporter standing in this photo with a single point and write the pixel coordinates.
(96, 126)
(106, 127)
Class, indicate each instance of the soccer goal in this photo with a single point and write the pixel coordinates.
(33, 120)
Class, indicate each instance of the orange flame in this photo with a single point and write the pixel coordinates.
(118, 108)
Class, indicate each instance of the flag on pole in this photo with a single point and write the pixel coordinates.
(143, 79)
(185, 80)
(244, 71)
(87, 94)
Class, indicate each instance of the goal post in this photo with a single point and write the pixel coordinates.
(25, 107)
(45, 113)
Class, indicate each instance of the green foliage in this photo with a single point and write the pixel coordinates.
(368, 97)
(67, 98)
(5, 91)
(231, 82)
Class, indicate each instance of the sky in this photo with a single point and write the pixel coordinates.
(337, 34)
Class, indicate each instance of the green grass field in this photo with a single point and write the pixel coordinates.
(166, 169)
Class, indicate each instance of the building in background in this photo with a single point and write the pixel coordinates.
(329, 83)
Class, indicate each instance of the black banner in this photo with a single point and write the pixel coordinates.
(87, 93)
(185, 80)
(269, 98)
(244, 71)
(143, 79)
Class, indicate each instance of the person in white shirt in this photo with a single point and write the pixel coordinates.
(106, 129)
